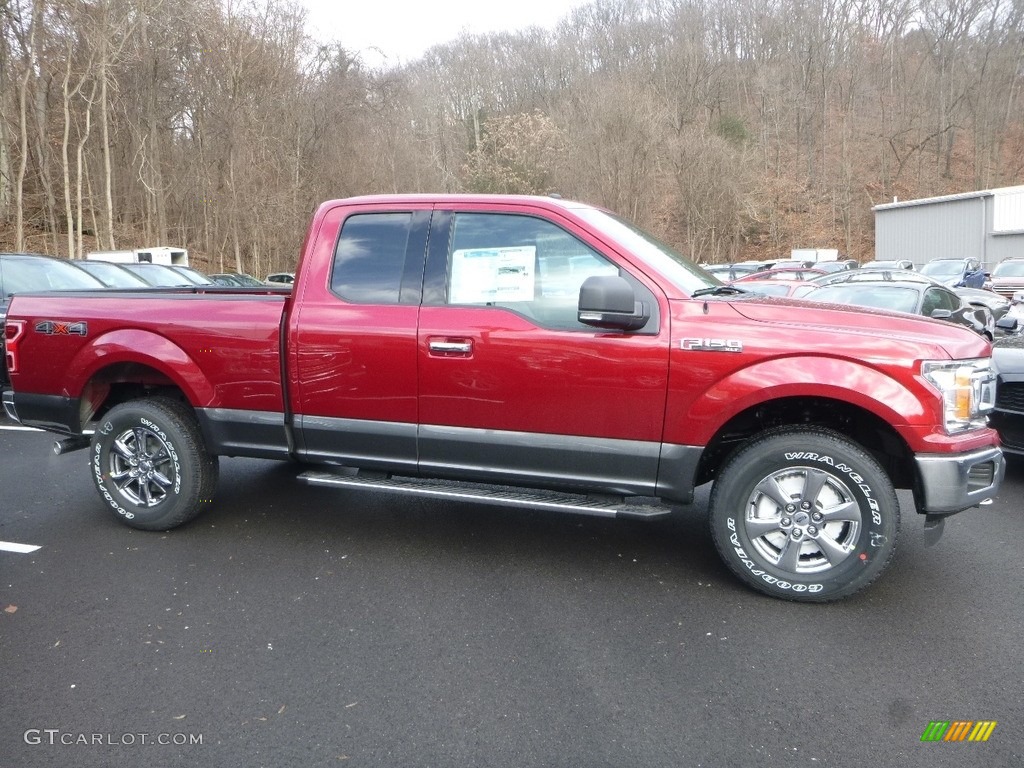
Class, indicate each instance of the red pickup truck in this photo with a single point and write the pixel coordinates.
(524, 351)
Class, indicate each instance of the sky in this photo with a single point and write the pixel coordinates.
(392, 32)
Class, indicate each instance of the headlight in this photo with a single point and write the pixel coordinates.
(968, 390)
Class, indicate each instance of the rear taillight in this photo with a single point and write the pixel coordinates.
(13, 331)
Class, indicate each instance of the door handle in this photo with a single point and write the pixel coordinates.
(444, 348)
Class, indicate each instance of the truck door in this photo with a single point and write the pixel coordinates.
(512, 388)
(352, 354)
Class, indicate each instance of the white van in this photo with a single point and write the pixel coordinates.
(162, 254)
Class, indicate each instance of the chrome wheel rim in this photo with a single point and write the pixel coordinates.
(141, 467)
(802, 520)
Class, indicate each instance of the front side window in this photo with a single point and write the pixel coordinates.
(370, 257)
(521, 263)
(937, 298)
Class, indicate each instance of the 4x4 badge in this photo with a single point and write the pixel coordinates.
(59, 328)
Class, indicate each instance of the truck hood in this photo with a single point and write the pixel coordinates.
(956, 341)
(1008, 355)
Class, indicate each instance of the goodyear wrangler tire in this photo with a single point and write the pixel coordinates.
(804, 514)
(149, 464)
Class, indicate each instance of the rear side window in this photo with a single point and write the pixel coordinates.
(370, 257)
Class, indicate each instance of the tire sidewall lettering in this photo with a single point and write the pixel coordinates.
(755, 570)
(100, 451)
(172, 452)
(855, 477)
(879, 524)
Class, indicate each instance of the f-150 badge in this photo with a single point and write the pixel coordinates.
(712, 345)
(58, 328)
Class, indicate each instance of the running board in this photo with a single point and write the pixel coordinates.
(492, 494)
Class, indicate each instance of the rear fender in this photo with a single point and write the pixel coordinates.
(142, 348)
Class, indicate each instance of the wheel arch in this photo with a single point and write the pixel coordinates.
(873, 433)
(115, 369)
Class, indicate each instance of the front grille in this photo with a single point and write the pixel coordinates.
(1007, 288)
(1010, 396)
(1011, 431)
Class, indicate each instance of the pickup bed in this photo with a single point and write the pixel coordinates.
(524, 351)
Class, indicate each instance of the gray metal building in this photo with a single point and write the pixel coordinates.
(988, 225)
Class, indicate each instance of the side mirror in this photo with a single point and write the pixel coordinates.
(1008, 324)
(608, 301)
(941, 314)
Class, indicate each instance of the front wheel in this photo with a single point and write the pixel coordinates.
(150, 465)
(804, 514)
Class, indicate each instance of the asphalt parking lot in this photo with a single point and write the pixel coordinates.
(296, 626)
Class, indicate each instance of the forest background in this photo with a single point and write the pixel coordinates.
(732, 129)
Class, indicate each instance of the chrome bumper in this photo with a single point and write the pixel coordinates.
(9, 404)
(952, 483)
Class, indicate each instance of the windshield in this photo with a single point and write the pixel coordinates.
(1009, 269)
(113, 275)
(683, 273)
(943, 268)
(159, 275)
(878, 296)
(198, 278)
(20, 275)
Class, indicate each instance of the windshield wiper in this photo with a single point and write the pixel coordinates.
(718, 290)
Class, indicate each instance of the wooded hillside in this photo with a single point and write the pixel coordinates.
(731, 128)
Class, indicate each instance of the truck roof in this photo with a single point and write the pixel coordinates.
(542, 201)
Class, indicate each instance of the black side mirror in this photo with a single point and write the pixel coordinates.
(1008, 324)
(608, 301)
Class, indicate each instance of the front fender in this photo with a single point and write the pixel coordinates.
(142, 348)
(699, 418)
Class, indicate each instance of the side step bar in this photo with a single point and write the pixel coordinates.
(491, 494)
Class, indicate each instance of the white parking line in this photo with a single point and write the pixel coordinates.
(24, 549)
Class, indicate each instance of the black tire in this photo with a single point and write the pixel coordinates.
(150, 465)
(824, 547)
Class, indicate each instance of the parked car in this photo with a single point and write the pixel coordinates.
(729, 272)
(112, 275)
(28, 272)
(784, 288)
(281, 278)
(998, 305)
(1008, 276)
(893, 291)
(160, 275)
(1008, 416)
(956, 273)
(236, 279)
(193, 275)
(869, 275)
(783, 273)
(893, 264)
(837, 266)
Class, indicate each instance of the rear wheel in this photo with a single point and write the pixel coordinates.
(150, 465)
(804, 514)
